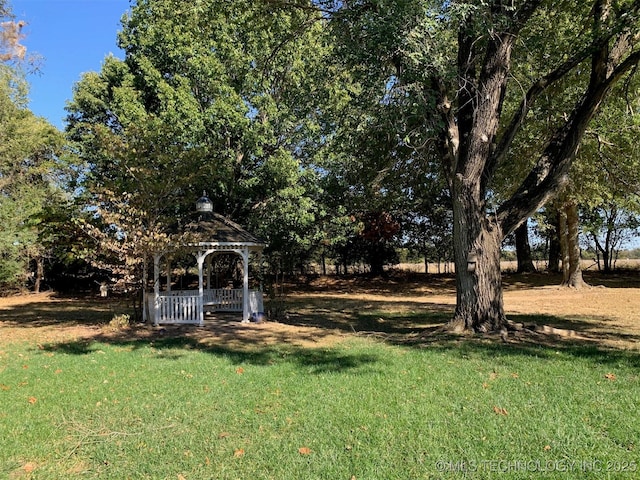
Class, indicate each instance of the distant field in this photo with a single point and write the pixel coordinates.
(510, 266)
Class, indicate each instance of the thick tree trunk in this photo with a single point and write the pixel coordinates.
(571, 268)
(472, 151)
(523, 249)
(477, 240)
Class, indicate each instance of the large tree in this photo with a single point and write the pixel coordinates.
(213, 96)
(482, 68)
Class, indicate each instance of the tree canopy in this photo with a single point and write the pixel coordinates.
(30, 182)
(478, 72)
(345, 130)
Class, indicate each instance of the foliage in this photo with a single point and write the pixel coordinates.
(502, 104)
(609, 228)
(10, 35)
(605, 176)
(30, 174)
(216, 97)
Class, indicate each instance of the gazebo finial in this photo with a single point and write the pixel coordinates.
(204, 204)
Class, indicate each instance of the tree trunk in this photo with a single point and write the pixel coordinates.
(477, 240)
(523, 249)
(563, 236)
(571, 269)
(555, 251)
(39, 274)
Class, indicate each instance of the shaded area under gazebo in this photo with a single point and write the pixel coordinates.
(208, 236)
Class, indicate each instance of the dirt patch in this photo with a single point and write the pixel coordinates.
(46, 318)
(325, 310)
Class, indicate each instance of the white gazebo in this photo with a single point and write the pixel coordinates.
(208, 235)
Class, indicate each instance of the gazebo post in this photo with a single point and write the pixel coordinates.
(200, 257)
(209, 272)
(260, 272)
(156, 288)
(245, 285)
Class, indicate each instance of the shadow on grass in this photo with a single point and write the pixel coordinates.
(315, 360)
(358, 316)
(619, 279)
(62, 311)
(531, 347)
(404, 321)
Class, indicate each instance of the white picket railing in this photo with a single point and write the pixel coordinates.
(223, 299)
(184, 306)
(177, 309)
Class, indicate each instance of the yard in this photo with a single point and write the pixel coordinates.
(358, 381)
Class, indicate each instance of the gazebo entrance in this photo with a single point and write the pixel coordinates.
(211, 234)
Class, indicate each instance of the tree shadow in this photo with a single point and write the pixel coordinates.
(175, 346)
(530, 345)
(61, 310)
(361, 316)
(315, 322)
(618, 279)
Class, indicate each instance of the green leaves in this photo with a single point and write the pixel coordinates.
(30, 174)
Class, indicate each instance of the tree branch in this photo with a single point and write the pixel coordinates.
(545, 82)
(553, 165)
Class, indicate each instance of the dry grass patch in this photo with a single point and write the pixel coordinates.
(403, 308)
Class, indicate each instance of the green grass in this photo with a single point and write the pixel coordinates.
(174, 409)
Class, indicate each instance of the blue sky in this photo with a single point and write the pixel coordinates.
(73, 37)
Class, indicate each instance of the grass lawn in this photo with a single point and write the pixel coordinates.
(172, 406)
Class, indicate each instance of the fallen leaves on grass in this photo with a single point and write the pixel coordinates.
(500, 411)
(610, 376)
(223, 435)
(304, 451)
(239, 370)
(238, 452)
(32, 400)
(4, 387)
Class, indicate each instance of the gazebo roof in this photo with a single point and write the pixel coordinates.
(210, 228)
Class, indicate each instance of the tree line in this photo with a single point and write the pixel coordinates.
(339, 132)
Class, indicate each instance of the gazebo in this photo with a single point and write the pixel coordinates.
(208, 235)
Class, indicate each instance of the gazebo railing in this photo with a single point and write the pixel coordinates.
(176, 308)
(223, 299)
(183, 306)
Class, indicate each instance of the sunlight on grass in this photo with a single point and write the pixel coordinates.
(167, 408)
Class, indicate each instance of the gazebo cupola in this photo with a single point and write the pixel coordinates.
(208, 234)
(204, 204)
